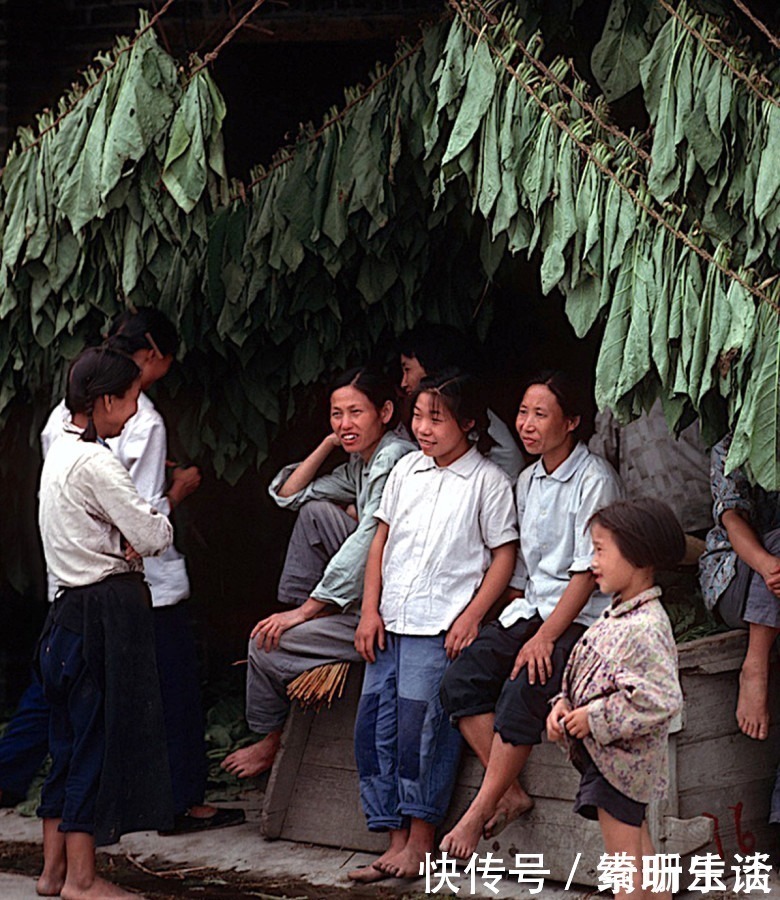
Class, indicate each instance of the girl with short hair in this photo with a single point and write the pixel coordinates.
(620, 688)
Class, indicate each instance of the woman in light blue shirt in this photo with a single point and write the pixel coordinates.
(497, 692)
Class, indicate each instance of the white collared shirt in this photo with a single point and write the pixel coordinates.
(444, 521)
(88, 503)
(553, 511)
(142, 448)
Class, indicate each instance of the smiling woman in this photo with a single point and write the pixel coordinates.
(323, 571)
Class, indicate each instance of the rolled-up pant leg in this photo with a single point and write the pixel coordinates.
(320, 529)
(428, 746)
(306, 646)
(376, 740)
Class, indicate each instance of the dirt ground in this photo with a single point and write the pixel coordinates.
(165, 882)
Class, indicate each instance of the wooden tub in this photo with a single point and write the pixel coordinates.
(720, 780)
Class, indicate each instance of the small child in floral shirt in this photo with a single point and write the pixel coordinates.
(620, 688)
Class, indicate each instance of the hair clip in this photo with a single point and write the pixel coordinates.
(153, 345)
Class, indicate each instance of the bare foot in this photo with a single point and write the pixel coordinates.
(49, 884)
(202, 812)
(752, 704)
(405, 864)
(511, 806)
(367, 875)
(376, 871)
(463, 839)
(254, 759)
(100, 889)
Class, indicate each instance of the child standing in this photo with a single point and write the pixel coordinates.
(620, 687)
(443, 553)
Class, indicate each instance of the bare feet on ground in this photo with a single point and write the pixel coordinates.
(752, 704)
(100, 889)
(202, 812)
(50, 884)
(405, 864)
(371, 873)
(254, 759)
(511, 806)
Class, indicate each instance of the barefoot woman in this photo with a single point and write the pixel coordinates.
(109, 773)
(497, 691)
(326, 558)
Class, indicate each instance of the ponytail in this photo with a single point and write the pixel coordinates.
(94, 373)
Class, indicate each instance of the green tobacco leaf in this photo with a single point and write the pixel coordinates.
(768, 181)
(624, 43)
(480, 86)
(143, 107)
(195, 144)
(756, 444)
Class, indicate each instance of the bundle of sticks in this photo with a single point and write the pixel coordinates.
(317, 686)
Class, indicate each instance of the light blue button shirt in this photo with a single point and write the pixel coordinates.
(355, 482)
(553, 511)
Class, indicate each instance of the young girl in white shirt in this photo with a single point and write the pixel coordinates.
(443, 553)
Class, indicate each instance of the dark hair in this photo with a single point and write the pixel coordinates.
(567, 391)
(646, 531)
(94, 373)
(377, 388)
(438, 347)
(460, 394)
(145, 329)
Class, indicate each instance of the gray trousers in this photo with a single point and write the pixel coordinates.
(747, 600)
(320, 530)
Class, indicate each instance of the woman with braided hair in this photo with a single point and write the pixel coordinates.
(96, 655)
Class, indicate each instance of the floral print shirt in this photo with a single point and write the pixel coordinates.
(624, 669)
(718, 565)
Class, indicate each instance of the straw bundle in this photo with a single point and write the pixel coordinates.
(317, 686)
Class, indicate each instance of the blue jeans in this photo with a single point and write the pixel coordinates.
(407, 752)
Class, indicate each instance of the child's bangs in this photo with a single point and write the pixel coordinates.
(439, 404)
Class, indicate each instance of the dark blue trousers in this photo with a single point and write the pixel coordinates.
(25, 743)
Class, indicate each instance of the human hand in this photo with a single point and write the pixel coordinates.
(559, 710)
(576, 722)
(536, 653)
(332, 441)
(184, 481)
(270, 630)
(131, 554)
(461, 634)
(771, 575)
(351, 511)
(369, 634)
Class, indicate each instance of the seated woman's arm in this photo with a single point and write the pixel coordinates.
(537, 652)
(304, 474)
(749, 548)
